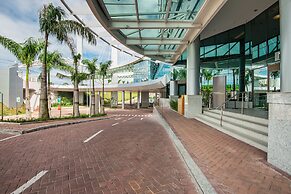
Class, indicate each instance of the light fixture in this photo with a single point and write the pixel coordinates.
(276, 17)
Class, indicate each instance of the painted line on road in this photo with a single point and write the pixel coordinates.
(30, 182)
(117, 119)
(130, 118)
(115, 124)
(92, 136)
(141, 119)
(9, 137)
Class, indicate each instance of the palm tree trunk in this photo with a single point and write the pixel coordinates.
(27, 98)
(102, 99)
(43, 104)
(76, 111)
(92, 111)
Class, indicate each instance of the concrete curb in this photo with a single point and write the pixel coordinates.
(199, 179)
(61, 124)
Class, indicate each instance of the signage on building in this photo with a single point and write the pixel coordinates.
(277, 56)
(17, 99)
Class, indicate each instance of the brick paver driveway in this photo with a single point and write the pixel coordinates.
(230, 165)
(132, 154)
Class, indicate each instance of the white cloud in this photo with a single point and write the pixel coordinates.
(19, 21)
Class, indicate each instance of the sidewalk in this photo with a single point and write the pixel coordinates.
(230, 165)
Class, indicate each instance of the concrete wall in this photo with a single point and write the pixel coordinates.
(11, 85)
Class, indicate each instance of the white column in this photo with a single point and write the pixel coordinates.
(114, 99)
(144, 99)
(123, 100)
(279, 128)
(193, 67)
(173, 88)
(138, 99)
(193, 101)
(285, 41)
(97, 102)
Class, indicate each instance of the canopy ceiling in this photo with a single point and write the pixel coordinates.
(159, 29)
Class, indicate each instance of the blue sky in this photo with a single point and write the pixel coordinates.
(19, 21)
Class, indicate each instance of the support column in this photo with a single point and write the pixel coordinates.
(114, 99)
(130, 98)
(193, 101)
(279, 144)
(138, 99)
(174, 90)
(242, 66)
(123, 100)
(97, 103)
(144, 99)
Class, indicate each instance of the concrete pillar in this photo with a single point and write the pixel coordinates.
(123, 100)
(130, 98)
(285, 41)
(144, 99)
(193, 67)
(81, 98)
(174, 90)
(138, 100)
(242, 66)
(114, 99)
(279, 135)
(193, 101)
(97, 102)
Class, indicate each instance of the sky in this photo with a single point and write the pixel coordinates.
(19, 21)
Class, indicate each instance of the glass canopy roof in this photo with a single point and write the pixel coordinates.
(159, 29)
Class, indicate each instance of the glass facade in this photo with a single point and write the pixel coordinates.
(149, 70)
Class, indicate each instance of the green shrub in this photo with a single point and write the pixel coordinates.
(174, 105)
(64, 102)
(24, 120)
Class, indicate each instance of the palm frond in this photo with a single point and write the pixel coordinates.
(11, 45)
(62, 76)
(75, 27)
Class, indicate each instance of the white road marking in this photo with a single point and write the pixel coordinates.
(124, 120)
(9, 137)
(141, 119)
(115, 124)
(117, 119)
(30, 182)
(130, 118)
(92, 136)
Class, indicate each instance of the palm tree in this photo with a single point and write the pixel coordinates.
(76, 78)
(26, 53)
(182, 74)
(103, 71)
(53, 22)
(54, 60)
(207, 74)
(92, 70)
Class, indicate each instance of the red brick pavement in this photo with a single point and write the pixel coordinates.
(135, 156)
(230, 165)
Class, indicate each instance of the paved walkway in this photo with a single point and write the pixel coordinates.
(133, 154)
(230, 165)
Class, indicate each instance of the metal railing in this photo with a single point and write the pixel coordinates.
(238, 96)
